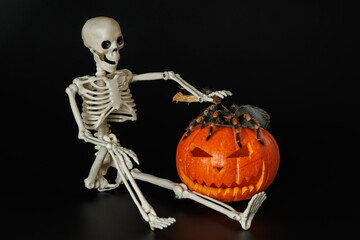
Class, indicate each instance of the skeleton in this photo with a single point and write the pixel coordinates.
(106, 98)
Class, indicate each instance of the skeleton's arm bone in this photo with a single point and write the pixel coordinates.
(83, 133)
(175, 77)
(148, 76)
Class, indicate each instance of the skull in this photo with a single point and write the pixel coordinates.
(102, 35)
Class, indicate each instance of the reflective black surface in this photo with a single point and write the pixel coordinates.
(113, 215)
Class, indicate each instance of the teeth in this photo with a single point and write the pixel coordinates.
(235, 192)
(206, 191)
(229, 193)
(244, 190)
(215, 191)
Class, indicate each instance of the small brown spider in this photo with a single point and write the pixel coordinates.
(236, 116)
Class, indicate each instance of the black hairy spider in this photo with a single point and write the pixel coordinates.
(236, 116)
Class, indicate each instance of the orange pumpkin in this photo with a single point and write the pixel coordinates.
(220, 169)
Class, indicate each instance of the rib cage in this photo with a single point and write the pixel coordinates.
(106, 98)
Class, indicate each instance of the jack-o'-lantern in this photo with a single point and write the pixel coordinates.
(220, 169)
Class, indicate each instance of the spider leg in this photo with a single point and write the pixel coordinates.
(257, 127)
(197, 121)
(215, 119)
(201, 119)
(236, 126)
(258, 136)
(207, 113)
(250, 122)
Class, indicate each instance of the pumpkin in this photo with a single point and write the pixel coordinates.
(220, 169)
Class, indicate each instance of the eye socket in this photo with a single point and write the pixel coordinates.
(198, 152)
(242, 152)
(120, 40)
(105, 44)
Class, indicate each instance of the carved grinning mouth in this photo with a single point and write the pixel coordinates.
(237, 192)
(108, 61)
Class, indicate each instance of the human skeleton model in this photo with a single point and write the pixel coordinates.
(107, 98)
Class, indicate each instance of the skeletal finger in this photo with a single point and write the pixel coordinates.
(127, 160)
(126, 150)
(211, 94)
(228, 93)
(133, 155)
(219, 94)
(129, 152)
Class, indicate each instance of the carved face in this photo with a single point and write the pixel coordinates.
(102, 35)
(220, 169)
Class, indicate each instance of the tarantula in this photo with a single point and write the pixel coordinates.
(236, 116)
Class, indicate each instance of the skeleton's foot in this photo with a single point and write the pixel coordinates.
(156, 222)
(100, 183)
(249, 213)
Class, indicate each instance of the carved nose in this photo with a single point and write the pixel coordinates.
(218, 169)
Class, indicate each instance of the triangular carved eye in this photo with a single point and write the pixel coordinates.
(241, 152)
(198, 152)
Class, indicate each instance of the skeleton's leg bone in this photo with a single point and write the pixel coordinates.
(96, 177)
(155, 221)
(90, 180)
(144, 203)
(181, 191)
(100, 155)
(145, 208)
(123, 178)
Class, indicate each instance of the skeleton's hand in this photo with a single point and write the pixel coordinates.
(200, 97)
(207, 97)
(221, 94)
(112, 144)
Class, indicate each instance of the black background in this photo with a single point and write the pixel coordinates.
(295, 59)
